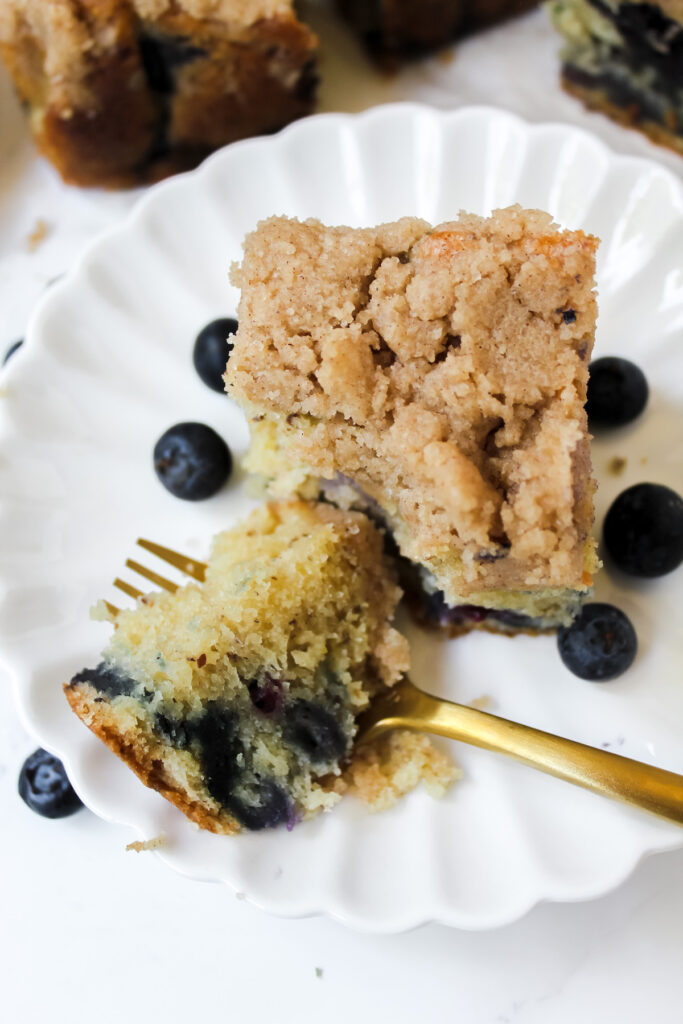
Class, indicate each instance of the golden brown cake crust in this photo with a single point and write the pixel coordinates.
(144, 755)
(125, 91)
(442, 370)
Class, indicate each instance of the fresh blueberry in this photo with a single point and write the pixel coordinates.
(192, 461)
(260, 804)
(45, 788)
(599, 645)
(106, 679)
(12, 349)
(313, 731)
(617, 392)
(643, 530)
(212, 350)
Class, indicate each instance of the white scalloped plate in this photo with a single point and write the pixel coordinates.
(107, 368)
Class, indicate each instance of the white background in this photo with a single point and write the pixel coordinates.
(90, 932)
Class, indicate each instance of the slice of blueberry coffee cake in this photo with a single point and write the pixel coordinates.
(435, 378)
(237, 698)
(125, 91)
(626, 59)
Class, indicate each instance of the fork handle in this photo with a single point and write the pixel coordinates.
(601, 771)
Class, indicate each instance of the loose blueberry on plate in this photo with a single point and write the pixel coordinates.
(643, 530)
(45, 787)
(617, 392)
(192, 461)
(212, 350)
(600, 644)
(12, 349)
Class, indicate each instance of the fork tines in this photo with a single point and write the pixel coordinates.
(188, 566)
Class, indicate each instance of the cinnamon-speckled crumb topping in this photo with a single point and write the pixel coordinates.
(441, 370)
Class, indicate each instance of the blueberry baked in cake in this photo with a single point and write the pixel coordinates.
(626, 59)
(435, 378)
(237, 698)
(124, 91)
(394, 29)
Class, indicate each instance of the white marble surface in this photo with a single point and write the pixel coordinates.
(90, 932)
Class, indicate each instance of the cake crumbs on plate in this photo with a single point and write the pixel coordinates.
(140, 845)
(483, 703)
(41, 229)
(383, 771)
(617, 465)
(319, 972)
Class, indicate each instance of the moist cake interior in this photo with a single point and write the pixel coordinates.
(238, 698)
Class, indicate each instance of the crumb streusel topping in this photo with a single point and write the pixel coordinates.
(442, 370)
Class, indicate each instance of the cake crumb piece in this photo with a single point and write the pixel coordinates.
(141, 845)
(396, 763)
(240, 895)
(483, 703)
(616, 465)
(37, 236)
(318, 972)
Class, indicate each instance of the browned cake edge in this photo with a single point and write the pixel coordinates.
(149, 768)
(597, 99)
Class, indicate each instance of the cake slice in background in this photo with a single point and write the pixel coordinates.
(626, 60)
(125, 91)
(237, 698)
(396, 29)
(436, 379)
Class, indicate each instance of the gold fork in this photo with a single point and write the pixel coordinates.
(407, 707)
